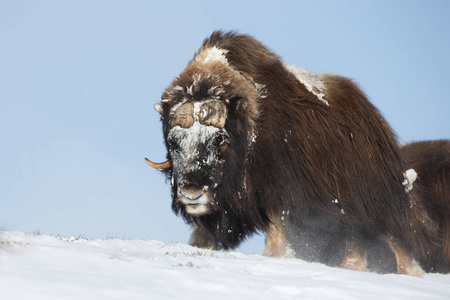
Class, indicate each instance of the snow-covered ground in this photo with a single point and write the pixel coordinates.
(47, 267)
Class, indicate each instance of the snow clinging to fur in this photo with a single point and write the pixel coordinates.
(211, 55)
(312, 82)
(189, 139)
(410, 177)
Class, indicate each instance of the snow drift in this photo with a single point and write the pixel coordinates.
(34, 266)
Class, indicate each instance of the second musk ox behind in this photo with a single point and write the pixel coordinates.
(431, 161)
(254, 145)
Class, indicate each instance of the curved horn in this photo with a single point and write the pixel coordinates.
(159, 166)
(213, 113)
(184, 116)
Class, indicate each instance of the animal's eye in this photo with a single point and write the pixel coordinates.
(173, 145)
(223, 145)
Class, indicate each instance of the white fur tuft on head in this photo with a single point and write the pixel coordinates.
(212, 54)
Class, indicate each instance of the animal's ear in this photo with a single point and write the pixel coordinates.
(158, 108)
(248, 105)
(245, 118)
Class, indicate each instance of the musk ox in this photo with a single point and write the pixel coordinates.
(431, 160)
(255, 145)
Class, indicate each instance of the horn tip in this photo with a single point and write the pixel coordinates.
(159, 166)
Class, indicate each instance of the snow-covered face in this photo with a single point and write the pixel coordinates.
(197, 144)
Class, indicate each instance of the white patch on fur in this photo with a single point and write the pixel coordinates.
(203, 113)
(251, 140)
(197, 107)
(212, 54)
(253, 137)
(189, 139)
(190, 90)
(410, 177)
(312, 81)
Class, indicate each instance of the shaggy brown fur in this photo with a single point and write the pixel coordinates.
(311, 171)
(431, 160)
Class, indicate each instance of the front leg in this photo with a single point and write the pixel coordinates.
(277, 244)
(405, 263)
(355, 255)
(202, 238)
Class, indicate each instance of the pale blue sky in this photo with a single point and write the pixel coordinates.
(78, 80)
